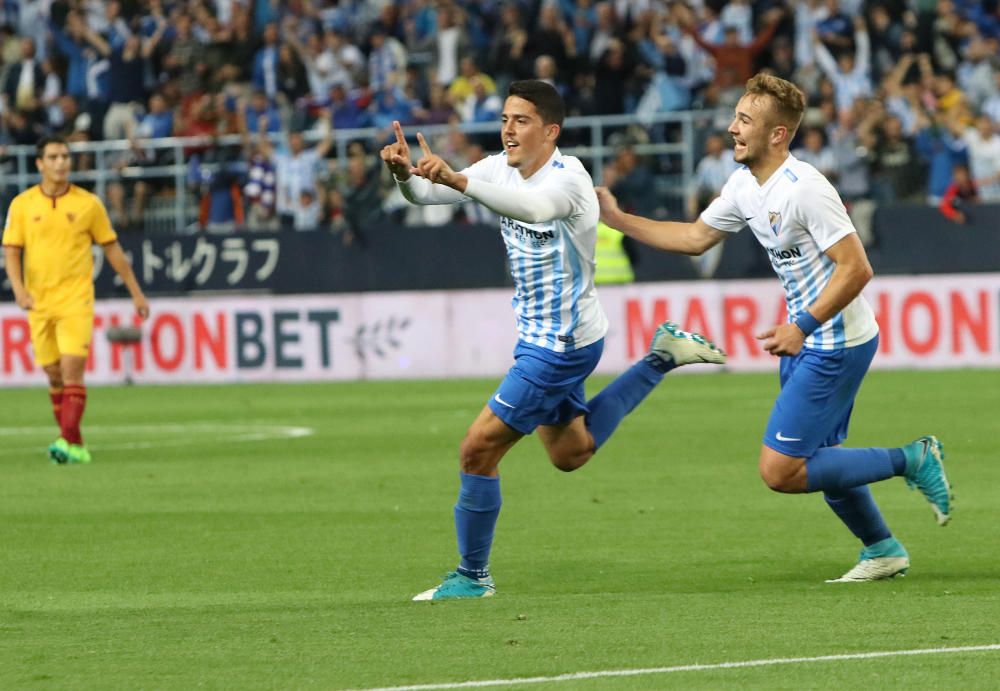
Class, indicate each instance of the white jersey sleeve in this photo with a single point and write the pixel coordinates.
(724, 212)
(819, 208)
(418, 190)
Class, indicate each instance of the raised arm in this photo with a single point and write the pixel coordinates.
(682, 238)
(537, 206)
(823, 57)
(415, 189)
(149, 44)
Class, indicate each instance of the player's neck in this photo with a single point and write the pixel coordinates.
(538, 165)
(765, 168)
(54, 189)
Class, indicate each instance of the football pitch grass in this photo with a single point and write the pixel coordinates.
(271, 537)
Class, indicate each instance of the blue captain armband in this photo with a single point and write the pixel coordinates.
(807, 323)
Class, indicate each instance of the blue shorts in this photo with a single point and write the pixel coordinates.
(818, 388)
(544, 387)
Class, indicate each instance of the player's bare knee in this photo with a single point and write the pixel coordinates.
(54, 373)
(570, 461)
(783, 474)
(475, 455)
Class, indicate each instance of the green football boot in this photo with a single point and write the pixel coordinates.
(59, 451)
(78, 454)
(455, 586)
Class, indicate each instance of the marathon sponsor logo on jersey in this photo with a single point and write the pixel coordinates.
(557, 164)
(780, 255)
(791, 176)
(535, 238)
(70, 216)
(774, 219)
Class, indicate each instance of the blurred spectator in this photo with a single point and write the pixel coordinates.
(897, 169)
(362, 194)
(450, 42)
(734, 60)
(959, 195)
(265, 63)
(220, 203)
(260, 189)
(613, 75)
(464, 84)
(991, 106)
(391, 103)
(849, 72)
(438, 111)
(259, 107)
(976, 73)
(24, 83)
(347, 114)
(631, 180)
(834, 29)
(983, 144)
(507, 47)
(308, 212)
(551, 36)
(183, 58)
(297, 169)
(940, 144)
(126, 74)
(814, 151)
(293, 81)
(387, 60)
(710, 175)
(481, 105)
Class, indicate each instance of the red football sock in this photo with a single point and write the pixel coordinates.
(74, 401)
(56, 395)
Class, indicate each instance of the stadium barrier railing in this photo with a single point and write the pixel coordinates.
(593, 139)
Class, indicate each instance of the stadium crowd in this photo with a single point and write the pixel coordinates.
(903, 95)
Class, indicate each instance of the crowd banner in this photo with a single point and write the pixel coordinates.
(940, 321)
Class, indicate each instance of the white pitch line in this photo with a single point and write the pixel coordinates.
(578, 676)
(228, 433)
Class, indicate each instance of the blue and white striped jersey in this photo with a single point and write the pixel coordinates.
(551, 253)
(796, 216)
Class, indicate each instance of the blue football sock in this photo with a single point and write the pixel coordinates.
(856, 508)
(898, 459)
(618, 398)
(834, 468)
(475, 519)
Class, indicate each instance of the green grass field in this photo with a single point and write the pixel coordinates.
(215, 543)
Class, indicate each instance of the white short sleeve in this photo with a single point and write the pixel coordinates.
(724, 213)
(822, 213)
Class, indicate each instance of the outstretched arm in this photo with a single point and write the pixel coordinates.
(683, 238)
(537, 206)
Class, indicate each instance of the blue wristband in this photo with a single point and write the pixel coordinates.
(807, 323)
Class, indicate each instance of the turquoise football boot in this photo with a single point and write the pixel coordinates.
(925, 472)
(455, 586)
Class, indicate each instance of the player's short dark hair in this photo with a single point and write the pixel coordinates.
(49, 139)
(544, 96)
